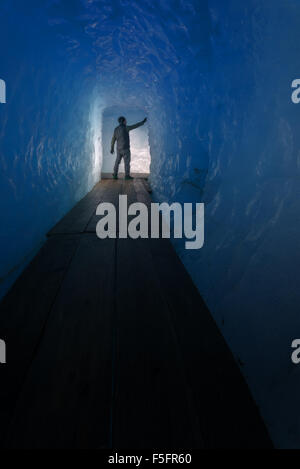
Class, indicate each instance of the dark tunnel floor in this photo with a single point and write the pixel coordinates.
(111, 346)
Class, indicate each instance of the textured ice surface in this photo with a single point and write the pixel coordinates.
(214, 79)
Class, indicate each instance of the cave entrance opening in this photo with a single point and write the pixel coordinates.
(139, 141)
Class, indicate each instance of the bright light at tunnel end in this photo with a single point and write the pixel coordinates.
(184, 217)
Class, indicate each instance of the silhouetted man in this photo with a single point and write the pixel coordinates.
(121, 134)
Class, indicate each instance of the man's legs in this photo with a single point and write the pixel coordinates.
(126, 155)
(117, 163)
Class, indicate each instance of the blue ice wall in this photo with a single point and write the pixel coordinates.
(235, 146)
(214, 79)
(47, 137)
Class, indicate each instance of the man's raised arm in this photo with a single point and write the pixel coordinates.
(135, 126)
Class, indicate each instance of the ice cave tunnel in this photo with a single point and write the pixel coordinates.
(214, 79)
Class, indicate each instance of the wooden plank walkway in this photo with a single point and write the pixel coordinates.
(109, 345)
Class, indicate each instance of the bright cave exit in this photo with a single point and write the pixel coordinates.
(139, 142)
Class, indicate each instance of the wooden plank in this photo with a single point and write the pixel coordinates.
(23, 316)
(76, 220)
(65, 402)
(147, 185)
(122, 175)
(152, 406)
(227, 413)
(113, 188)
(128, 189)
(142, 193)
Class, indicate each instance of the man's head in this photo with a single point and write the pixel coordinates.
(122, 120)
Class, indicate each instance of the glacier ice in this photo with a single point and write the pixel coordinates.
(214, 79)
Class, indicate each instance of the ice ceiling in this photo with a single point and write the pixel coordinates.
(214, 79)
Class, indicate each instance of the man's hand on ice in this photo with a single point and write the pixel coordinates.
(112, 151)
(145, 120)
